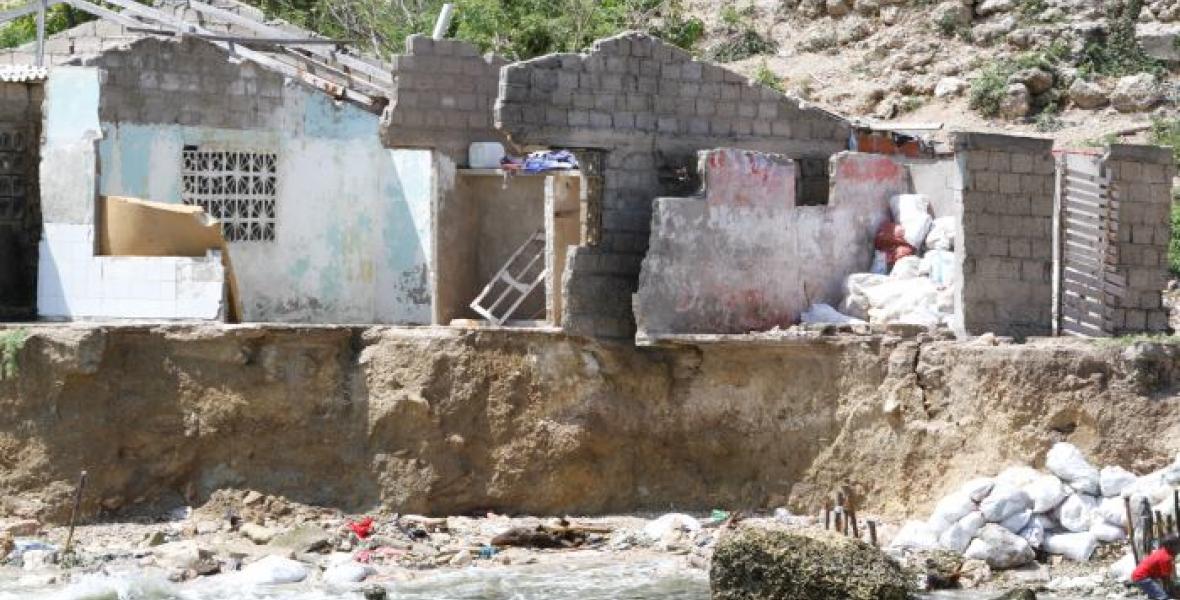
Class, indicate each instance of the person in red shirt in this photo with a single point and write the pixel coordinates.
(1154, 573)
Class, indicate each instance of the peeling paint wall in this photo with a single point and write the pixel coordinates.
(353, 219)
(743, 257)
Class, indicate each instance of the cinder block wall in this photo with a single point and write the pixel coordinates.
(444, 92)
(650, 107)
(1142, 177)
(1006, 234)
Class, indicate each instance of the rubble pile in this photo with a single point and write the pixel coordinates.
(1068, 511)
(913, 274)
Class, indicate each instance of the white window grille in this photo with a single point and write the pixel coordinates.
(237, 187)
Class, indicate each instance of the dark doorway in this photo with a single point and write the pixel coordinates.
(20, 214)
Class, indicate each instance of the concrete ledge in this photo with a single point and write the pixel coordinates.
(975, 140)
(1140, 152)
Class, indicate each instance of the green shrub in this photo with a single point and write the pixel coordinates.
(764, 76)
(741, 45)
(24, 30)
(988, 89)
(1119, 52)
(1166, 132)
(1174, 243)
(11, 342)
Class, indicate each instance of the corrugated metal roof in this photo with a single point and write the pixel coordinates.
(22, 73)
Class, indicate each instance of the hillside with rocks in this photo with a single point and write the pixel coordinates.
(1084, 71)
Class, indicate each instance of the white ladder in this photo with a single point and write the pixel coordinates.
(514, 282)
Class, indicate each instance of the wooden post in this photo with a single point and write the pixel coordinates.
(41, 32)
(74, 513)
(1131, 529)
(1148, 530)
(827, 515)
(840, 519)
(852, 520)
(1159, 528)
(873, 533)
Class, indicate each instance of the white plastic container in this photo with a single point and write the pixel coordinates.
(485, 155)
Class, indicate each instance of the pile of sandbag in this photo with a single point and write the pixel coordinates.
(1068, 510)
(914, 270)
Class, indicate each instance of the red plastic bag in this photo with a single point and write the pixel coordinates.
(363, 529)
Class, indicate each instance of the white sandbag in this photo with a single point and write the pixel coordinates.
(906, 267)
(1047, 492)
(1122, 569)
(977, 489)
(942, 234)
(1033, 533)
(855, 303)
(1000, 548)
(1067, 462)
(915, 535)
(271, 570)
(939, 266)
(1151, 486)
(912, 212)
(825, 314)
(1076, 512)
(1074, 546)
(889, 301)
(1003, 502)
(949, 511)
(1112, 511)
(958, 536)
(1171, 473)
(1018, 476)
(1105, 532)
(1113, 480)
(657, 529)
(1018, 521)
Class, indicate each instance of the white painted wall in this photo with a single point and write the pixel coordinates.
(73, 283)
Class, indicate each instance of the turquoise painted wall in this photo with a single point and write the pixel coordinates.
(353, 218)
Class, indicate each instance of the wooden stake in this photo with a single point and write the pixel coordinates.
(1159, 528)
(852, 520)
(74, 513)
(827, 515)
(1131, 529)
(1148, 530)
(873, 534)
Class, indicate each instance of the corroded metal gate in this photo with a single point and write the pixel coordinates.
(1086, 223)
(19, 220)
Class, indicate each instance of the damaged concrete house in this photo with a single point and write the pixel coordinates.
(701, 205)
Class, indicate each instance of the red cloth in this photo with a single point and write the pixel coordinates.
(890, 239)
(1158, 565)
(363, 529)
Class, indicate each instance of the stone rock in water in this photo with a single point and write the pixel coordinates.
(752, 564)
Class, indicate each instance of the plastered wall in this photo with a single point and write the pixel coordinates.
(650, 107)
(72, 282)
(353, 222)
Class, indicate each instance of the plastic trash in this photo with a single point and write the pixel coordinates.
(485, 155)
(939, 266)
(959, 535)
(1033, 533)
(271, 570)
(942, 234)
(671, 522)
(912, 211)
(950, 510)
(855, 303)
(825, 314)
(915, 535)
(1000, 548)
(20, 546)
(1112, 511)
(1122, 568)
(1074, 546)
(1151, 486)
(1105, 532)
(1003, 502)
(1113, 480)
(977, 489)
(1047, 492)
(1076, 513)
(1066, 461)
(1017, 521)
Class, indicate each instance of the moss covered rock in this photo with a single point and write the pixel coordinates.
(752, 564)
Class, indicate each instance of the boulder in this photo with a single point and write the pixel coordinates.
(868, 8)
(1159, 40)
(1136, 93)
(1016, 102)
(838, 8)
(995, 29)
(752, 564)
(19, 527)
(271, 570)
(1017, 594)
(950, 87)
(1038, 81)
(952, 15)
(1087, 94)
(991, 7)
(348, 572)
(304, 538)
(257, 533)
(180, 556)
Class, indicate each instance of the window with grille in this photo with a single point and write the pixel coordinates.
(237, 187)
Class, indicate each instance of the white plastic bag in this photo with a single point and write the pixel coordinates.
(958, 536)
(1076, 512)
(1034, 534)
(1121, 570)
(906, 267)
(1003, 502)
(825, 314)
(949, 511)
(657, 529)
(1113, 480)
(1151, 486)
(1018, 476)
(1105, 532)
(1017, 521)
(912, 211)
(1047, 492)
(1074, 546)
(1000, 548)
(915, 535)
(977, 489)
(939, 266)
(1112, 511)
(855, 303)
(1066, 461)
(942, 234)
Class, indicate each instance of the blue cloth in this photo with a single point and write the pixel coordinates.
(539, 162)
(1153, 588)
